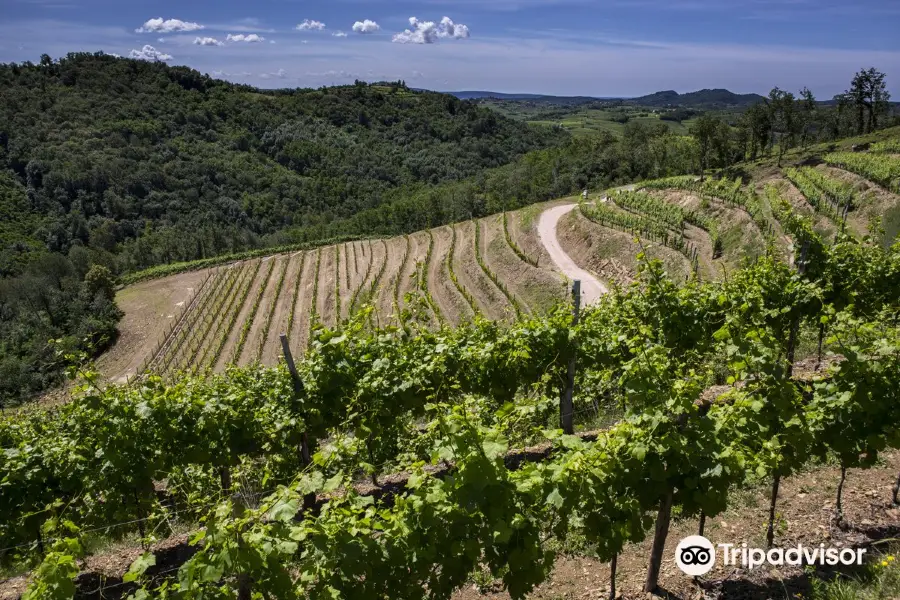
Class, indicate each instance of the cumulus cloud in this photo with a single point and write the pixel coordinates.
(158, 25)
(279, 74)
(308, 25)
(339, 34)
(207, 41)
(148, 52)
(250, 38)
(366, 26)
(427, 32)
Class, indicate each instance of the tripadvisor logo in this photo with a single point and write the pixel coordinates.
(695, 555)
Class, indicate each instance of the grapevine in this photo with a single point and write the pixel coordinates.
(883, 169)
(337, 285)
(490, 274)
(425, 286)
(515, 248)
(296, 293)
(233, 309)
(459, 286)
(264, 333)
(403, 262)
(248, 323)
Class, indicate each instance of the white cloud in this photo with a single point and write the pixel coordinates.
(332, 73)
(250, 38)
(449, 29)
(308, 25)
(279, 74)
(339, 34)
(366, 26)
(158, 25)
(427, 32)
(148, 52)
(207, 41)
(161, 40)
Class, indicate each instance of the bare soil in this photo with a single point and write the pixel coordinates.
(372, 287)
(257, 329)
(451, 304)
(418, 247)
(535, 288)
(873, 200)
(299, 336)
(245, 302)
(326, 288)
(149, 307)
(490, 301)
(612, 254)
(272, 350)
(384, 301)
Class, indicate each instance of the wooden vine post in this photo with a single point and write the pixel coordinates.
(566, 407)
(298, 389)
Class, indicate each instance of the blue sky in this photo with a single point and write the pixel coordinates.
(566, 47)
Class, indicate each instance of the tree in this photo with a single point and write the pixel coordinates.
(870, 97)
(807, 115)
(757, 123)
(783, 120)
(99, 280)
(704, 131)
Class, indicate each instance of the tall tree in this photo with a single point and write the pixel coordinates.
(870, 97)
(807, 115)
(704, 131)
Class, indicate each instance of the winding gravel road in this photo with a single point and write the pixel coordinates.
(591, 287)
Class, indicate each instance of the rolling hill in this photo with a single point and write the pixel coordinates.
(717, 98)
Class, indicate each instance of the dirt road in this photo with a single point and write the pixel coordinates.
(591, 287)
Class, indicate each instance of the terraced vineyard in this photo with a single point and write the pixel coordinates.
(498, 268)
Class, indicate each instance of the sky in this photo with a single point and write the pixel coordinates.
(612, 48)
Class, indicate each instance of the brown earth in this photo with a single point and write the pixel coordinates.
(208, 326)
(417, 250)
(452, 305)
(373, 286)
(611, 254)
(384, 301)
(490, 301)
(741, 238)
(243, 304)
(190, 323)
(230, 309)
(272, 350)
(326, 288)
(299, 335)
(873, 200)
(537, 289)
(149, 306)
(257, 327)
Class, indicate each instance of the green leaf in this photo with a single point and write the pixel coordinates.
(139, 566)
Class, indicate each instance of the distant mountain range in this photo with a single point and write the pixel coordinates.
(718, 98)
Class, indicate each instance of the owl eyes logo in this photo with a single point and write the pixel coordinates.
(695, 555)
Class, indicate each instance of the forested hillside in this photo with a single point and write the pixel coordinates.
(116, 165)
(112, 150)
